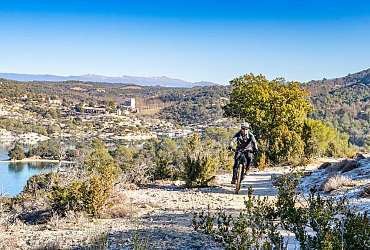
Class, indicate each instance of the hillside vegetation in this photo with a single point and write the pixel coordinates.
(345, 103)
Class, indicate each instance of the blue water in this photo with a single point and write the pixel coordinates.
(14, 176)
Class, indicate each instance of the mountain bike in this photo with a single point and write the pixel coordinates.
(242, 169)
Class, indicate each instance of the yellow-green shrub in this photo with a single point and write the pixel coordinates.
(323, 140)
(91, 194)
(200, 164)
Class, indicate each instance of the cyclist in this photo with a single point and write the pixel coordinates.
(247, 144)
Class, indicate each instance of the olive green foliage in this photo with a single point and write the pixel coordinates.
(317, 223)
(100, 162)
(17, 153)
(254, 228)
(40, 182)
(200, 163)
(169, 158)
(344, 103)
(166, 158)
(322, 140)
(216, 140)
(134, 164)
(261, 161)
(278, 111)
(88, 195)
(50, 149)
(124, 156)
(195, 105)
(21, 127)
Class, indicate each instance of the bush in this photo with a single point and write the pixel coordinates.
(17, 153)
(199, 164)
(166, 159)
(317, 224)
(88, 195)
(254, 228)
(46, 149)
(261, 161)
(200, 171)
(40, 182)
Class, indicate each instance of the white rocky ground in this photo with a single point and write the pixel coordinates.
(160, 213)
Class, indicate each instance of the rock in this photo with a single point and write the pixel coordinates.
(325, 165)
(359, 157)
(349, 165)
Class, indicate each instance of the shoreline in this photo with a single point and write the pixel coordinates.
(34, 160)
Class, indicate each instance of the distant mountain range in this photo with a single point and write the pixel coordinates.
(163, 81)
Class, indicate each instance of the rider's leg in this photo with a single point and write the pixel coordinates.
(246, 166)
(249, 161)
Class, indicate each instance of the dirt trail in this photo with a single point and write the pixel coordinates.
(167, 222)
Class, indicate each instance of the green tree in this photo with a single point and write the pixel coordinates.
(17, 153)
(165, 157)
(46, 149)
(323, 140)
(276, 110)
(124, 157)
(100, 162)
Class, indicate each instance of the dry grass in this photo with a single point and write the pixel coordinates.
(11, 242)
(51, 245)
(118, 206)
(336, 182)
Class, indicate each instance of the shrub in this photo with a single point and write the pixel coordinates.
(166, 157)
(262, 161)
(199, 171)
(200, 166)
(46, 149)
(254, 228)
(40, 182)
(67, 198)
(316, 224)
(17, 153)
(91, 194)
(323, 140)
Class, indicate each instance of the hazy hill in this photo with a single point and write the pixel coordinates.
(324, 86)
(344, 102)
(163, 81)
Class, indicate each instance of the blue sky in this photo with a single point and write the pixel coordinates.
(191, 40)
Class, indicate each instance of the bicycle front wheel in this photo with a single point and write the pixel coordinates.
(238, 180)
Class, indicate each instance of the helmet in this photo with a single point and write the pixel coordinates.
(245, 125)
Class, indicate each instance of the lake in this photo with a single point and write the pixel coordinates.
(14, 176)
